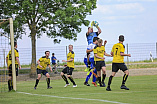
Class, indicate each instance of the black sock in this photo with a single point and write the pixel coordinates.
(9, 85)
(37, 81)
(48, 82)
(124, 79)
(99, 79)
(71, 79)
(110, 80)
(104, 76)
(65, 79)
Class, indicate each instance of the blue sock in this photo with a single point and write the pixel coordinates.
(88, 77)
(94, 78)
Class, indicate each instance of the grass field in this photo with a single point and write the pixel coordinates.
(143, 90)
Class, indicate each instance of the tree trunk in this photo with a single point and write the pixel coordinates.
(33, 63)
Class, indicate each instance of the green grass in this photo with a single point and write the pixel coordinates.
(143, 90)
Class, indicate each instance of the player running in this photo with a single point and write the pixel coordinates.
(70, 67)
(118, 63)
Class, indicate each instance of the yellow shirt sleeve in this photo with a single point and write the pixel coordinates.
(72, 55)
(122, 49)
(16, 54)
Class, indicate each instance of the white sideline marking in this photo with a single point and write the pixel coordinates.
(72, 98)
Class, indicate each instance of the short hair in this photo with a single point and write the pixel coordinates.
(95, 38)
(53, 54)
(100, 40)
(121, 38)
(15, 43)
(47, 51)
(71, 45)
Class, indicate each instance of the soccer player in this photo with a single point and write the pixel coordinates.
(53, 60)
(70, 67)
(90, 34)
(118, 63)
(99, 52)
(9, 65)
(90, 48)
(43, 62)
(88, 70)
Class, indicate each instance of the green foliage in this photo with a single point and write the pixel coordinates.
(61, 18)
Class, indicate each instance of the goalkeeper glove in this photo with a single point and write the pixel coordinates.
(92, 24)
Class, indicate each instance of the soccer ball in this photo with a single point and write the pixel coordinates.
(96, 23)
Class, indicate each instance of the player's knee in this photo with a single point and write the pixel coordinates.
(10, 78)
(68, 76)
(47, 75)
(113, 74)
(62, 73)
(126, 72)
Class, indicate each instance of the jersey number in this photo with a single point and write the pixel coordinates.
(116, 51)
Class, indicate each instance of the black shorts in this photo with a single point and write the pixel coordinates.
(10, 70)
(53, 63)
(99, 65)
(68, 70)
(117, 66)
(39, 71)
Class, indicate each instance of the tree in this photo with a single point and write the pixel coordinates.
(56, 18)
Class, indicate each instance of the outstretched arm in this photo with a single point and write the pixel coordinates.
(107, 54)
(123, 54)
(99, 30)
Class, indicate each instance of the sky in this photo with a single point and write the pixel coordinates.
(135, 19)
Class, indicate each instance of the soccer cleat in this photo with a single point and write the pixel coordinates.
(103, 85)
(85, 83)
(49, 87)
(74, 85)
(86, 69)
(108, 89)
(94, 84)
(67, 85)
(124, 87)
(35, 88)
(98, 84)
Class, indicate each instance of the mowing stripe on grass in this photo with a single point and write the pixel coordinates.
(73, 98)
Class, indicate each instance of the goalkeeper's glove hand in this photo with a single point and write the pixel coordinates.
(92, 24)
(97, 26)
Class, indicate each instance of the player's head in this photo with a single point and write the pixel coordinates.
(70, 47)
(121, 38)
(100, 42)
(47, 53)
(90, 30)
(15, 44)
(95, 39)
(53, 54)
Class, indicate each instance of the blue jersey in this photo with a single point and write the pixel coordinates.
(90, 37)
(53, 59)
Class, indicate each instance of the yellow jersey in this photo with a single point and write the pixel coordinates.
(9, 56)
(70, 55)
(117, 49)
(99, 51)
(44, 62)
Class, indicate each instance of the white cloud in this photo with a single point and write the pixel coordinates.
(120, 8)
(130, 7)
(135, 0)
